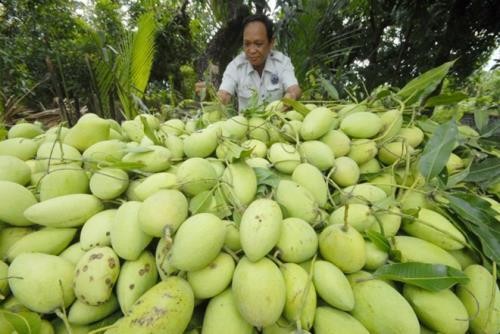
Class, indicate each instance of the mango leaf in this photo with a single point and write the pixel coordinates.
(330, 89)
(479, 218)
(200, 202)
(428, 126)
(23, 322)
(299, 107)
(481, 118)
(491, 130)
(379, 240)
(444, 99)
(235, 151)
(266, 177)
(438, 149)
(455, 179)
(432, 277)
(149, 132)
(419, 88)
(487, 169)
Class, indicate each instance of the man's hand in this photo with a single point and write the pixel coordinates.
(293, 92)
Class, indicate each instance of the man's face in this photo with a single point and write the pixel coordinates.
(255, 43)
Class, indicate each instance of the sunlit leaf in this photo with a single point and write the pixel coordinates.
(432, 277)
(445, 99)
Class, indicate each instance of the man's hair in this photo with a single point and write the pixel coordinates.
(261, 18)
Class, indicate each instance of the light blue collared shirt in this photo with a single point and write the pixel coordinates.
(241, 79)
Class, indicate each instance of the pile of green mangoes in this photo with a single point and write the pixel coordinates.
(248, 224)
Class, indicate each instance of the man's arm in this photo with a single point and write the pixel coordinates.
(224, 96)
(293, 92)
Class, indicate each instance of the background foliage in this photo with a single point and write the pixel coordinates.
(49, 50)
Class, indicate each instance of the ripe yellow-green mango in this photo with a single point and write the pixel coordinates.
(418, 250)
(222, 316)
(338, 142)
(258, 163)
(73, 253)
(382, 310)
(200, 144)
(97, 230)
(14, 170)
(260, 228)
(298, 241)
(440, 311)
(351, 108)
(175, 146)
(390, 153)
(25, 130)
(317, 123)
(257, 147)
(413, 136)
(375, 257)
(300, 302)
(22, 148)
(282, 326)
(284, 157)
(83, 314)
(363, 193)
(362, 150)
(259, 284)
(14, 200)
(127, 237)
(196, 175)
(151, 120)
(154, 183)
(332, 285)
(89, 130)
(165, 308)
(56, 153)
(454, 164)
(133, 130)
(479, 297)
(45, 284)
(235, 127)
(465, 257)
(64, 181)
(9, 236)
(317, 154)
(64, 211)
(392, 121)
(371, 166)
(173, 126)
(361, 125)
(435, 228)
(136, 277)
(257, 129)
(4, 283)
(47, 240)
(240, 183)
(154, 159)
(214, 278)
(329, 320)
(291, 130)
(297, 202)
(95, 276)
(197, 242)
(346, 172)
(46, 327)
(345, 248)
(232, 239)
(390, 220)
(55, 133)
(359, 216)
(311, 178)
(386, 182)
(109, 183)
(106, 151)
(165, 210)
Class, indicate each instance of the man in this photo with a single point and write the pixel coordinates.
(258, 69)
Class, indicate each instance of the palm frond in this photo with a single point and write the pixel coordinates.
(143, 49)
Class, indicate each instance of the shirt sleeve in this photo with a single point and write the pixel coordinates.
(230, 79)
(288, 74)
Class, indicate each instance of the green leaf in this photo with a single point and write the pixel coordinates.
(266, 177)
(481, 118)
(149, 132)
(330, 89)
(432, 277)
(444, 99)
(199, 202)
(419, 88)
(487, 169)
(491, 130)
(478, 218)
(299, 107)
(379, 240)
(438, 149)
(23, 322)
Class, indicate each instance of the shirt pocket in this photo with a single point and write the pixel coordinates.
(274, 92)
